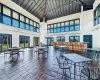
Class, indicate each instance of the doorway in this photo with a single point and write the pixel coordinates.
(36, 41)
(24, 41)
(88, 39)
(50, 41)
(5, 41)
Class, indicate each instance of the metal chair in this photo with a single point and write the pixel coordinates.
(91, 73)
(63, 50)
(41, 51)
(6, 53)
(46, 51)
(63, 64)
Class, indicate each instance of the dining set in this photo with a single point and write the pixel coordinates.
(14, 53)
(42, 50)
(81, 67)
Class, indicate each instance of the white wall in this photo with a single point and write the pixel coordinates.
(64, 18)
(86, 23)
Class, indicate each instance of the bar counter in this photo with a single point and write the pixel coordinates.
(73, 46)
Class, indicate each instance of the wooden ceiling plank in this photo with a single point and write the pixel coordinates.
(37, 6)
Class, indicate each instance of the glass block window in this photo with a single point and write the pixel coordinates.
(15, 23)
(22, 18)
(22, 25)
(66, 29)
(77, 22)
(97, 15)
(15, 15)
(58, 29)
(37, 25)
(71, 25)
(55, 25)
(31, 22)
(51, 26)
(62, 27)
(6, 20)
(66, 26)
(62, 24)
(51, 30)
(6, 11)
(0, 8)
(55, 30)
(66, 23)
(27, 20)
(27, 27)
(77, 26)
(58, 25)
(13, 18)
(34, 23)
(31, 28)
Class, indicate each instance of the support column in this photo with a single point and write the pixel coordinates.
(82, 8)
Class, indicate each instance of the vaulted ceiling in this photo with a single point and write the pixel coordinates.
(50, 9)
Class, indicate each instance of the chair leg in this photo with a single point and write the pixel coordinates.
(80, 76)
(4, 56)
(38, 56)
(63, 75)
(70, 73)
(57, 72)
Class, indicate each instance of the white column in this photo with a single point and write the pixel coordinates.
(54, 38)
(43, 31)
(66, 38)
(81, 8)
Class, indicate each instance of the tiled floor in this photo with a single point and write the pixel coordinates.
(28, 67)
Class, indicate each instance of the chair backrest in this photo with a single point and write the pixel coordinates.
(92, 73)
(86, 72)
(61, 60)
(41, 51)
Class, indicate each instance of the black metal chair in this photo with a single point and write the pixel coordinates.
(46, 51)
(63, 64)
(91, 73)
(41, 51)
(62, 50)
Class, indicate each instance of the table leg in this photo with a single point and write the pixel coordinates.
(74, 71)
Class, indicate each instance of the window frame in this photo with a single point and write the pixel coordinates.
(59, 28)
(97, 15)
(74, 38)
(60, 38)
(13, 18)
(24, 37)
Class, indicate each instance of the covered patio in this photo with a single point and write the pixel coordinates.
(49, 40)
